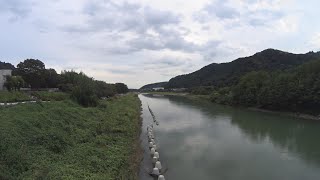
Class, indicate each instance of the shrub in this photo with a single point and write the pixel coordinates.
(50, 96)
(84, 96)
(13, 96)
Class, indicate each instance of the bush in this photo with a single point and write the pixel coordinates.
(85, 97)
(222, 96)
(87, 91)
(50, 96)
(13, 96)
(202, 90)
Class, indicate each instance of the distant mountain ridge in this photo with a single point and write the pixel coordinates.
(154, 85)
(226, 74)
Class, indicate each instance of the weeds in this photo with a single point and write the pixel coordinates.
(63, 140)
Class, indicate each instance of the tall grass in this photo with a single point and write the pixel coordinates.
(14, 96)
(63, 140)
(50, 96)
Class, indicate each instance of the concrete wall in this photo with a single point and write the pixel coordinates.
(3, 73)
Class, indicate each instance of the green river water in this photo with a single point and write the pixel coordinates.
(204, 141)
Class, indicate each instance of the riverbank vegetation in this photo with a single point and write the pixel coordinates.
(50, 96)
(85, 90)
(271, 79)
(296, 90)
(6, 96)
(63, 140)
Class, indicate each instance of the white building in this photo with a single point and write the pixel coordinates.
(158, 88)
(3, 74)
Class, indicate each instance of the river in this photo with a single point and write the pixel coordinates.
(204, 141)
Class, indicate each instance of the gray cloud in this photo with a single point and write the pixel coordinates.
(167, 62)
(158, 18)
(109, 16)
(176, 43)
(171, 66)
(137, 19)
(218, 9)
(122, 71)
(221, 10)
(17, 8)
(263, 17)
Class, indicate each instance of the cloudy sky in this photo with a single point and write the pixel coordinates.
(145, 41)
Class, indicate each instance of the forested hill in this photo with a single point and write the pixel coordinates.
(226, 74)
(4, 65)
(154, 85)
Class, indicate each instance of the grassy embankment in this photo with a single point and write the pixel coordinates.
(14, 96)
(50, 96)
(63, 140)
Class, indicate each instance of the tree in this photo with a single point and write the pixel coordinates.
(81, 87)
(105, 90)
(14, 83)
(249, 87)
(33, 72)
(121, 88)
(297, 89)
(4, 65)
(86, 90)
(51, 78)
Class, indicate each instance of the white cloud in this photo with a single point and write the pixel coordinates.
(315, 42)
(145, 41)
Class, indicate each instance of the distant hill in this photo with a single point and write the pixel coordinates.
(4, 65)
(226, 74)
(154, 85)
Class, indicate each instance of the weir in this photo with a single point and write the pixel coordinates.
(157, 171)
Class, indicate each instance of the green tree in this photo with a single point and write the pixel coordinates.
(295, 90)
(105, 90)
(81, 87)
(33, 72)
(14, 83)
(121, 88)
(4, 65)
(51, 78)
(249, 87)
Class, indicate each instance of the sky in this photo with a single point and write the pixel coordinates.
(144, 41)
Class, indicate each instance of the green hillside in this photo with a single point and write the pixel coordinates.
(227, 74)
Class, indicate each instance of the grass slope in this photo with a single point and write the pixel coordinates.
(62, 140)
(14, 96)
(50, 96)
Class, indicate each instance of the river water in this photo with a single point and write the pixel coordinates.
(204, 141)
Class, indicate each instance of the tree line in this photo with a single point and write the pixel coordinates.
(32, 73)
(297, 90)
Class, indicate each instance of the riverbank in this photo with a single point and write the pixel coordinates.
(63, 140)
(187, 95)
(207, 98)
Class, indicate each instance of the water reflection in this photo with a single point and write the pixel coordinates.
(206, 141)
(289, 134)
